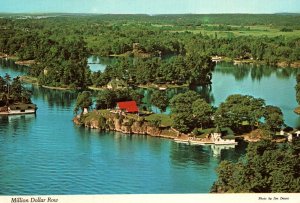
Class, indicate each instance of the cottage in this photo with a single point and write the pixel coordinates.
(128, 107)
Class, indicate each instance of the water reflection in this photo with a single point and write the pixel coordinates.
(53, 97)
(9, 66)
(182, 154)
(97, 63)
(11, 125)
(256, 72)
(235, 153)
(205, 92)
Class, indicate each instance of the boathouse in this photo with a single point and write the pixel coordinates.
(128, 107)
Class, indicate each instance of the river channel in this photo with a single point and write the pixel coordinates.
(47, 154)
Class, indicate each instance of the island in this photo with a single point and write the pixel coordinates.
(14, 98)
(191, 121)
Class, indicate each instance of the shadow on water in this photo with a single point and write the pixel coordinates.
(9, 125)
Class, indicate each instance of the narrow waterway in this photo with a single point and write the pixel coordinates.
(47, 154)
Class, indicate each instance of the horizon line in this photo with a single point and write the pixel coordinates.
(150, 14)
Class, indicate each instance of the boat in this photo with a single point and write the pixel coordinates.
(182, 141)
(225, 142)
(198, 142)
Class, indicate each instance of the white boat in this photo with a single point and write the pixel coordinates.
(225, 142)
(181, 141)
(197, 142)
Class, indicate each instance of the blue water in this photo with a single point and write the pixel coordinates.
(275, 85)
(47, 154)
(96, 63)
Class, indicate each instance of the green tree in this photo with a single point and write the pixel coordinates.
(16, 89)
(106, 99)
(267, 167)
(2, 85)
(297, 87)
(202, 112)
(273, 118)
(238, 109)
(181, 107)
(7, 79)
(83, 101)
(200, 67)
(182, 103)
(160, 100)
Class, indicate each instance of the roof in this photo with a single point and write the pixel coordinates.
(128, 106)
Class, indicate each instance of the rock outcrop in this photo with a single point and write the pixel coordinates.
(127, 126)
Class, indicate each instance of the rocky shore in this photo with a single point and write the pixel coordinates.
(110, 122)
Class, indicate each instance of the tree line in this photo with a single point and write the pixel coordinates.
(241, 113)
(189, 69)
(12, 91)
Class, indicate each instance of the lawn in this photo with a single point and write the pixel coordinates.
(166, 120)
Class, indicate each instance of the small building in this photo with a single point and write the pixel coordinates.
(16, 109)
(128, 107)
(222, 136)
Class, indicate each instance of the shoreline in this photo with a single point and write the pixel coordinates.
(57, 88)
(279, 64)
(34, 81)
(144, 127)
(16, 59)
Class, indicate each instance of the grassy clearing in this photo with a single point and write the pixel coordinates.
(166, 120)
(94, 115)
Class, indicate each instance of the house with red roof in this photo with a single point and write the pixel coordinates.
(128, 107)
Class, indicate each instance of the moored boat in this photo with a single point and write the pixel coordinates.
(182, 141)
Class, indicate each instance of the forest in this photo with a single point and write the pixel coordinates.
(167, 50)
(60, 44)
(266, 168)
